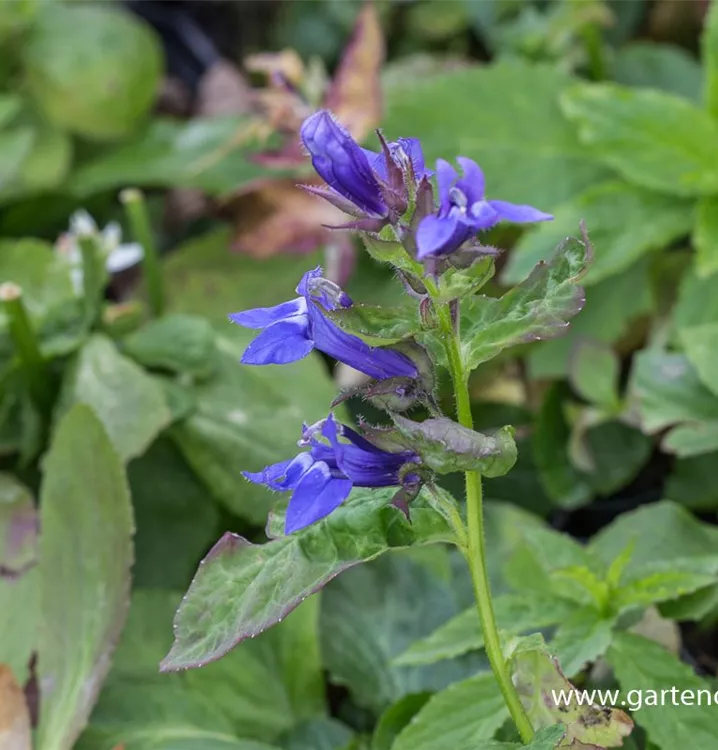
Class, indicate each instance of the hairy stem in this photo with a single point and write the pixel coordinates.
(475, 551)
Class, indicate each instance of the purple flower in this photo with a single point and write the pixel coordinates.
(323, 477)
(464, 210)
(294, 328)
(359, 176)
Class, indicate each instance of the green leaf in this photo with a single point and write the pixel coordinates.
(701, 346)
(709, 44)
(610, 313)
(18, 576)
(208, 154)
(675, 535)
(517, 139)
(39, 271)
(130, 405)
(594, 374)
(693, 482)
(93, 71)
(693, 439)
(538, 308)
(318, 734)
(457, 718)
(85, 556)
(539, 680)
(10, 105)
(396, 718)
(642, 665)
(650, 137)
(178, 343)
(705, 236)
(373, 613)
(697, 302)
(247, 418)
(15, 147)
(562, 481)
(582, 638)
(625, 222)
(387, 324)
(667, 390)
(246, 587)
(658, 66)
(202, 277)
(661, 583)
(176, 518)
(445, 446)
(515, 614)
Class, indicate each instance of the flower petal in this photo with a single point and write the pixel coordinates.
(303, 285)
(123, 257)
(518, 214)
(316, 496)
(373, 361)
(284, 475)
(446, 176)
(472, 184)
(440, 235)
(412, 147)
(282, 342)
(482, 215)
(261, 317)
(341, 162)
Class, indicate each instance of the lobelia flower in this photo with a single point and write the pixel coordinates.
(295, 328)
(464, 210)
(373, 182)
(323, 477)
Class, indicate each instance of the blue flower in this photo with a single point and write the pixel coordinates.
(464, 210)
(355, 174)
(295, 328)
(323, 477)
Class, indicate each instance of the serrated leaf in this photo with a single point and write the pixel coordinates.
(538, 308)
(652, 138)
(667, 390)
(178, 343)
(538, 679)
(658, 585)
(128, 402)
(624, 222)
(515, 614)
(457, 718)
(241, 588)
(582, 638)
(388, 324)
(642, 665)
(85, 555)
(446, 446)
(370, 615)
(594, 373)
(517, 139)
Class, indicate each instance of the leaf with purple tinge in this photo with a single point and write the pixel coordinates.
(241, 589)
(538, 308)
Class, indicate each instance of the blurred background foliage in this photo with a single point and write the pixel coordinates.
(602, 111)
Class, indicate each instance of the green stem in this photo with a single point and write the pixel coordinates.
(475, 551)
(93, 278)
(593, 44)
(138, 217)
(28, 347)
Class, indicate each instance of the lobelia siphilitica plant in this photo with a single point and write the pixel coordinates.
(357, 492)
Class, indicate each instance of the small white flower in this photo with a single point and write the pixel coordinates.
(118, 256)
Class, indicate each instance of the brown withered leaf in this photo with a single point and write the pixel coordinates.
(286, 64)
(14, 714)
(280, 217)
(354, 94)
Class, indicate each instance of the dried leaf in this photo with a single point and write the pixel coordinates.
(14, 714)
(355, 92)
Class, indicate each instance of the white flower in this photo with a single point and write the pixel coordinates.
(118, 256)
